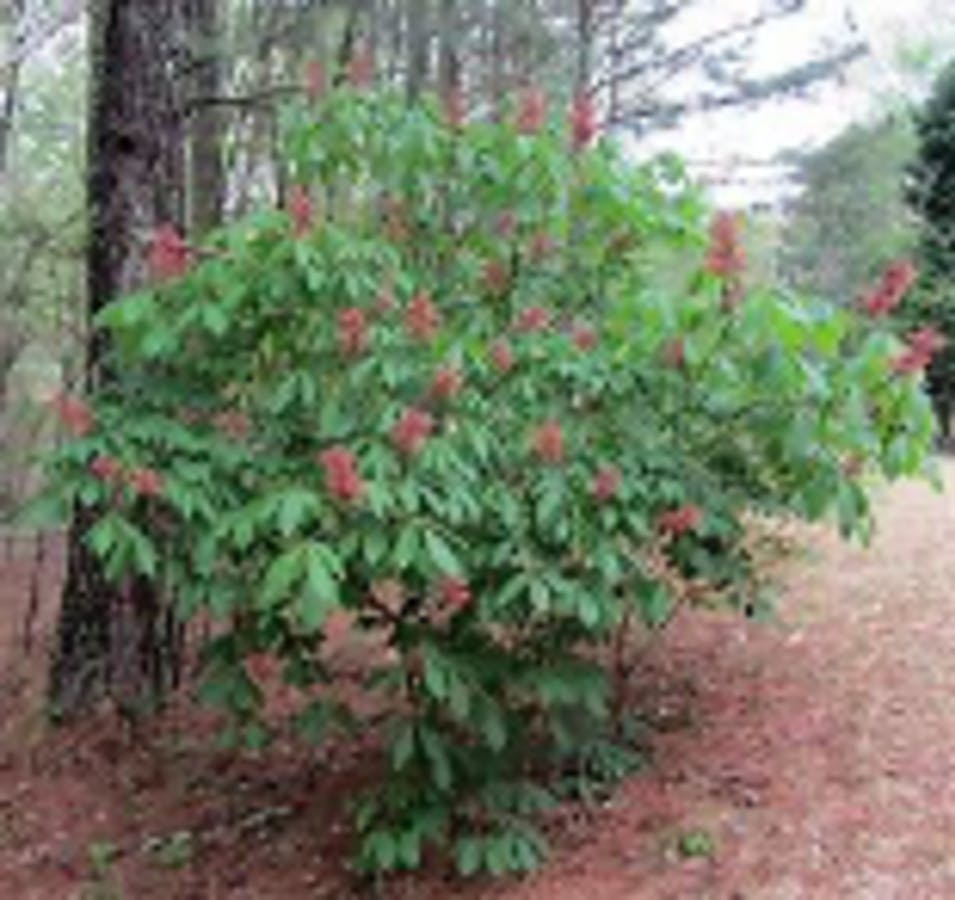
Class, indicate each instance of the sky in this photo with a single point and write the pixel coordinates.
(722, 146)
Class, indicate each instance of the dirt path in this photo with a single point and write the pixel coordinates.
(813, 758)
(821, 758)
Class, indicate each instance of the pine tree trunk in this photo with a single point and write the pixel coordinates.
(449, 63)
(419, 35)
(585, 45)
(206, 170)
(119, 642)
(11, 81)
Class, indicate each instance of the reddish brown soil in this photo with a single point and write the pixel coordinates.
(816, 753)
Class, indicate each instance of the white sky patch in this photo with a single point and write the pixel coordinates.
(734, 148)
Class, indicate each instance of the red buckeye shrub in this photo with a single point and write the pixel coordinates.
(354, 425)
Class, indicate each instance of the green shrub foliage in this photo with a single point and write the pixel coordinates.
(439, 398)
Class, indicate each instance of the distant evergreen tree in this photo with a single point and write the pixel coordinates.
(932, 195)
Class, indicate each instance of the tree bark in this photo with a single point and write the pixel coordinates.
(206, 170)
(498, 53)
(118, 642)
(585, 45)
(11, 82)
(449, 62)
(419, 38)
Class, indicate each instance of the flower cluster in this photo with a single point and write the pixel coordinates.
(455, 593)
(726, 256)
(169, 254)
(412, 430)
(583, 121)
(502, 356)
(496, 277)
(895, 283)
(75, 414)
(674, 354)
(300, 210)
(422, 318)
(584, 336)
(315, 81)
(361, 67)
(534, 318)
(107, 469)
(606, 484)
(541, 246)
(531, 111)
(144, 481)
(341, 474)
(681, 520)
(548, 443)
(233, 424)
(922, 345)
(447, 383)
(506, 224)
(352, 331)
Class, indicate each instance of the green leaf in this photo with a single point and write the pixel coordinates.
(294, 509)
(407, 547)
(322, 591)
(102, 536)
(435, 674)
(402, 750)
(656, 604)
(442, 555)
(469, 856)
(436, 752)
(284, 572)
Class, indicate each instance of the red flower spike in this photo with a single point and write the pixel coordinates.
(584, 337)
(412, 431)
(422, 319)
(107, 468)
(260, 666)
(75, 414)
(315, 81)
(896, 282)
(169, 255)
(361, 68)
(233, 424)
(352, 331)
(542, 245)
(922, 347)
(531, 111)
(455, 593)
(548, 441)
(389, 594)
(534, 318)
(679, 521)
(583, 122)
(496, 277)
(899, 277)
(606, 483)
(674, 354)
(726, 257)
(455, 109)
(341, 474)
(300, 209)
(447, 383)
(502, 356)
(146, 482)
(506, 224)
(927, 341)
